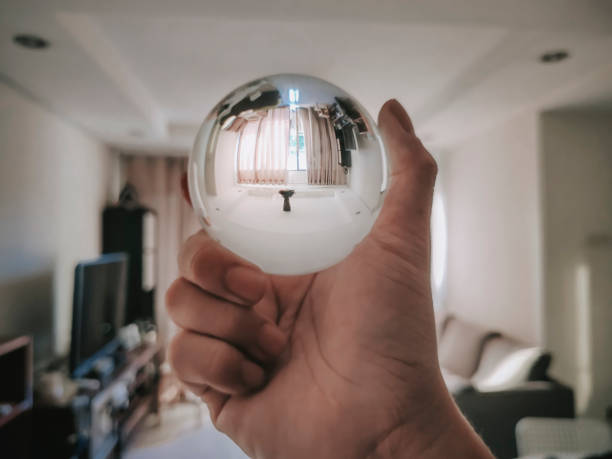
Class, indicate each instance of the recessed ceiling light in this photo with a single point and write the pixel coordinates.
(30, 41)
(552, 57)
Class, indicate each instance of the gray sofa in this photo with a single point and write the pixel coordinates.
(469, 355)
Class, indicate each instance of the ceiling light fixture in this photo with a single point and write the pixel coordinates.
(30, 41)
(552, 57)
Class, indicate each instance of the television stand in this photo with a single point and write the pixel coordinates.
(119, 407)
(98, 423)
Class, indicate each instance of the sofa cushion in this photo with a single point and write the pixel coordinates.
(511, 371)
(455, 383)
(494, 351)
(460, 346)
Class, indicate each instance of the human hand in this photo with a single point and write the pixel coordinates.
(341, 363)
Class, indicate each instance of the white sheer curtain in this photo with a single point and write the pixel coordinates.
(246, 151)
(263, 148)
(321, 149)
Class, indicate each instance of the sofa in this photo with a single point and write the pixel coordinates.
(496, 380)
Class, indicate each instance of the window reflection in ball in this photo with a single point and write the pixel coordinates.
(289, 172)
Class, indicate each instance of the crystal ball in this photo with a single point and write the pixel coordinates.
(288, 172)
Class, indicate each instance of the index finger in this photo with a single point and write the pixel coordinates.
(215, 269)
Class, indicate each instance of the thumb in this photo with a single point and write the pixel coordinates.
(406, 211)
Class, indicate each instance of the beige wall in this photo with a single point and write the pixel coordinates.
(53, 184)
(577, 160)
(491, 187)
(529, 207)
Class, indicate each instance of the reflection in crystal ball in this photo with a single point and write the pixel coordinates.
(288, 172)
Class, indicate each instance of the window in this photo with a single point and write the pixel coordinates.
(297, 152)
(297, 147)
(294, 96)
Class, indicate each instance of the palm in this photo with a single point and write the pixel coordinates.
(348, 344)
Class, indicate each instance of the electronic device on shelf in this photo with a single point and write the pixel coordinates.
(87, 405)
(131, 228)
(98, 314)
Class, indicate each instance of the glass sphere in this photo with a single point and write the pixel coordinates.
(288, 172)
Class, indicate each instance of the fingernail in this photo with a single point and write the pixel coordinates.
(271, 340)
(248, 283)
(252, 374)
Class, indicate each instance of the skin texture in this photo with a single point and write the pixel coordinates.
(337, 364)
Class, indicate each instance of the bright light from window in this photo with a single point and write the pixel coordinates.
(438, 247)
(294, 96)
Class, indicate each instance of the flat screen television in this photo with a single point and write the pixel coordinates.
(98, 310)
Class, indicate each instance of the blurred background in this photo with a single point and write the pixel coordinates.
(99, 106)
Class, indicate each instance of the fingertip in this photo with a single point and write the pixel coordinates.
(385, 111)
(394, 110)
(252, 374)
(271, 339)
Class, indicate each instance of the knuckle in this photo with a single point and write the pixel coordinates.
(429, 166)
(223, 362)
(187, 248)
(200, 262)
(173, 294)
(240, 325)
(424, 162)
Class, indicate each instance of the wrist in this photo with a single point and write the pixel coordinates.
(454, 436)
(439, 431)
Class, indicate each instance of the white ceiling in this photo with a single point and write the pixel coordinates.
(141, 74)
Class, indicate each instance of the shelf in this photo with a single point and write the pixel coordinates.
(18, 409)
(143, 408)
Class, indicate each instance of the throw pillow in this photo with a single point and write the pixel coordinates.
(511, 371)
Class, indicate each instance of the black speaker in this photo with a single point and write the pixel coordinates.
(133, 230)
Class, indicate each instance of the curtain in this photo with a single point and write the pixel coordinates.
(246, 151)
(157, 181)
(321, 148)
(263, 148)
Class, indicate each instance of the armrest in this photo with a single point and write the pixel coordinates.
(494, 414)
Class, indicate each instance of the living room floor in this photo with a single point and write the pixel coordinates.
(182, 431)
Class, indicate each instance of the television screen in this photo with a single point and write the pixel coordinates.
(98, 309)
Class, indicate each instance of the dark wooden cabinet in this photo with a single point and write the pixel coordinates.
(133, 230)
(16, 397)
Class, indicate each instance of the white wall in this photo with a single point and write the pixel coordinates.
(577, 160)
(53, 185)
(491, 188)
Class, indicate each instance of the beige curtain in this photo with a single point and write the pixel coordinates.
(263, 148)
(247, 151)
(321, 148)
(157, 181)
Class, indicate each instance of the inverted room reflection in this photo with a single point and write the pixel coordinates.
(289, 172)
